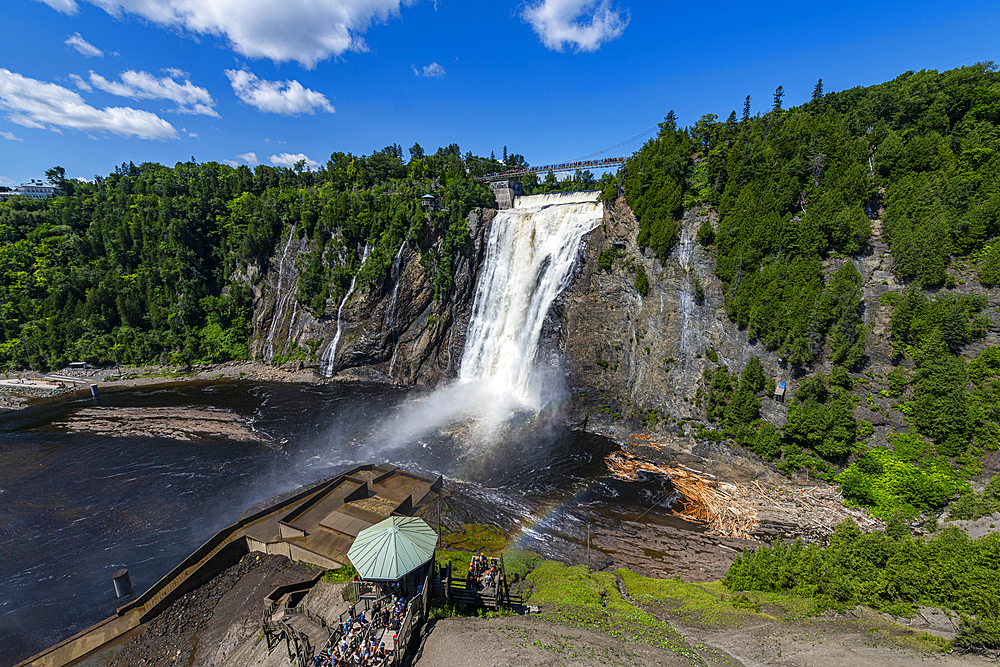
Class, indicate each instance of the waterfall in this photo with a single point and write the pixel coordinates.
(689, 332)
(391, 313)
(329, 357)
(530, 255)
(279, 302)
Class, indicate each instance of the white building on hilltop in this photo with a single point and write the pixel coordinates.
(33, 190)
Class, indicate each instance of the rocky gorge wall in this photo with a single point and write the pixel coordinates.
(631, 356)
(632, 362)
(391, 331)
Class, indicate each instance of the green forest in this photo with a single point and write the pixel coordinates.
(796, 191)
(153, 263)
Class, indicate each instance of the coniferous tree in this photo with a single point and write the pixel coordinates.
(779, 93)
(746, 110)
(818, 90)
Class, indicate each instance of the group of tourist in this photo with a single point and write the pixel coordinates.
(484, 572)
(355, 650)
(358, 645)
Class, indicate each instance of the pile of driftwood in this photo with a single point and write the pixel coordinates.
(747, 511)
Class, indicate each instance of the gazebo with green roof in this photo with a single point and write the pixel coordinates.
(392, 549)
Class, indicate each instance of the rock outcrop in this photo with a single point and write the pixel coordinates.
(395, 330)
(632, 357)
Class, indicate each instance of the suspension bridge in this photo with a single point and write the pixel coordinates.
(598, 160)
(605, 163)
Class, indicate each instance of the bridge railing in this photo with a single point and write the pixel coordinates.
(565, 166)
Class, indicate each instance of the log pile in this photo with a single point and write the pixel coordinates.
(747, 511)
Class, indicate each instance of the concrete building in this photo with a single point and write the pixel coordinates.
(504, 192)
(33, 190)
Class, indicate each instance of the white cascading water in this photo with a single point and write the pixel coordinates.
(329, 357)
(279, 302)
(391, 313)
(530, 253)
(529, 259)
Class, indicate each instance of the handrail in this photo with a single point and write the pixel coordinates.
(565, 166)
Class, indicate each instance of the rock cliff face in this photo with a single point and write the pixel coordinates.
(630, 354)
(390, 331)
(632, 361)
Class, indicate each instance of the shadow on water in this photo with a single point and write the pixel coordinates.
(77, 506)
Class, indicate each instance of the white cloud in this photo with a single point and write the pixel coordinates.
(80, 83)
(83, 47)
(246, 158)
(38, 104)
(9, 136)
(5, 181)
(144, 86)
(306, 31)
(433, 71)
(284, 97)
(289, 160)
(581, 24)
(64, 6)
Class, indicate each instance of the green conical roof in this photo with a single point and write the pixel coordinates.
(392, 548)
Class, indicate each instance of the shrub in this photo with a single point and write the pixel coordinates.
(706, 233)
(641, 281)
(886, 484)
(887, 571)
(699, 289)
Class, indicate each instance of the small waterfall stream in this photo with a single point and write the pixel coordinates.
(391, 313)
(689, 328)
(329, 357)
(280, 301)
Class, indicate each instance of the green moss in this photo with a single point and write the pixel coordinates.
(475, 537)
(712, 604)
(341, 574)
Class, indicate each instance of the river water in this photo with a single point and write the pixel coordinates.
(78, 506)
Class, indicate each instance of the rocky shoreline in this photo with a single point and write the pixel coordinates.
(16, 395)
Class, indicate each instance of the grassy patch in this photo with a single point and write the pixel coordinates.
(576, 597)
(475, 538)
(712, 604)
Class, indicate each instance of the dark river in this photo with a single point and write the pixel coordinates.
(74, 507)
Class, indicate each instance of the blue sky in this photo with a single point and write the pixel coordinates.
(89, 84)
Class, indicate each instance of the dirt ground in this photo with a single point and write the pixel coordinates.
(202, 627)
(218, 625)
(523, 641)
